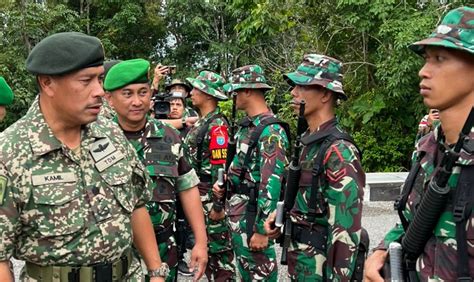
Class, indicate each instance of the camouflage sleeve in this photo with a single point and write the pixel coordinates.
(188, 177)
(218, 141)
(9, 215)
(272, 147)
(345, 183)
(142, 185)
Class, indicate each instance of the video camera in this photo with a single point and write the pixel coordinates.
(161, 107)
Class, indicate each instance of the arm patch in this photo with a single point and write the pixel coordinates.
(218, 144)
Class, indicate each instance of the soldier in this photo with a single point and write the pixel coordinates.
(179, 86)
(447, 85)
(255, 175)
(205, 149)
(331, 220)
(72, 189)
(6, 97)
(107, 111)
(159, 147)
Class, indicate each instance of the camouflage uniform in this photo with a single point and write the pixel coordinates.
(266, 170)
(220, 265)
(65, 207)
(158, 146)
(338, 210)
(439, 260)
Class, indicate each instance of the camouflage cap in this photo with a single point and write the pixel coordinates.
(319, 70)
(456, 31)
(210, 83)
(247, 77)
(6, 93)
(178, 81)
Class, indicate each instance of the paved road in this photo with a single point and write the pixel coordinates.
(378, 218)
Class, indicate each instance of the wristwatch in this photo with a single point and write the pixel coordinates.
(163, 271)
(183, 122)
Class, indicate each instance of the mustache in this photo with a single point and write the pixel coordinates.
(296, 102)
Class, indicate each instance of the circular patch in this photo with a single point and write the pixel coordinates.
(220, 140)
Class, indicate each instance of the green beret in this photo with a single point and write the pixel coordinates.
(125, 73)
(65, 52)
(6, 94)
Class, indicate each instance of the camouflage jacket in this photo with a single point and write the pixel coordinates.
(266, 168)
(158, 146)
(439, 259)
(65, 207)
(339, 205)
(214, 148)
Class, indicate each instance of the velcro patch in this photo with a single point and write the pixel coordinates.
(218, 144)
(3, 188)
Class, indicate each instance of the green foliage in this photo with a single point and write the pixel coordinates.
(370, 37)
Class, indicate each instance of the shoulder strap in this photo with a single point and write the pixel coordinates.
(200, 139)
(410, 181)
(255, 136)
(318, 177)
(463, 204)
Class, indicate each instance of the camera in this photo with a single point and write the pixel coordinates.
(161, 107)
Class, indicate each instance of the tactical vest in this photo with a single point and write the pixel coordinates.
(318, 208)
(251, 189)
(460, 201)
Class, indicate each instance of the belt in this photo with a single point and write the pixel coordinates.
(103, 272)
(164, 234)
(305, 235)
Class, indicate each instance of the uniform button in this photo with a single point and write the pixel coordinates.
(56, 275)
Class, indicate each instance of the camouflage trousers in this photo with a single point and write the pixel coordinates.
(305, 263)
(261, 265)
(168, 253)
(220, 266)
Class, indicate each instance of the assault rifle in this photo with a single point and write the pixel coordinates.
(291, 189)
(432, 205)
(219, 204)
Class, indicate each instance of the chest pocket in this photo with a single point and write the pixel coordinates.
(162, 165)
(306, 188)
(120, 181)
(57, 209)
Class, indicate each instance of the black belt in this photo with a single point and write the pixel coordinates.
(164, 234)
(101, 272)
(305, 235)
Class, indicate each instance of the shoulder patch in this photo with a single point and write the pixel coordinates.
(3, 188)
(218, 144)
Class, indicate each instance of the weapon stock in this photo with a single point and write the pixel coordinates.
(294, 172)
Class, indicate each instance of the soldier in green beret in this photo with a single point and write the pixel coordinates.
(160, 149)
(447, 85)
(6, 97)
(72, 190)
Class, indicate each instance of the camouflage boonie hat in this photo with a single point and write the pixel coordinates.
(210, 83)
(247, 77)
(318, 70)
(456, 31)
(178, 81)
